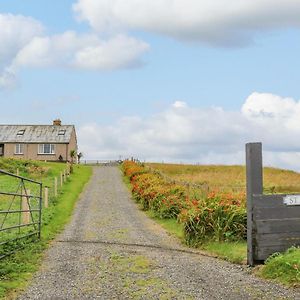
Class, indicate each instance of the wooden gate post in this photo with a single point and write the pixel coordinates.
(26, 207)
(254, 186)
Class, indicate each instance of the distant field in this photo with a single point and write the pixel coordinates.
(230, 178)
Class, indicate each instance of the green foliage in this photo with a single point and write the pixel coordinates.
(26, 167)
(283, 267)
(216, 217)
(150, 190)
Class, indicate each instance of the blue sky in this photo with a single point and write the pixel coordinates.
(158, 70)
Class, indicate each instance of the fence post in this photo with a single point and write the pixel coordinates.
(26, 208)
(65, 175)
(18, 172)
(254, 186)
(46, 195)
(61, 179)
(55, 186)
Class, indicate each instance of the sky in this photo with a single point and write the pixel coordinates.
(162, 80)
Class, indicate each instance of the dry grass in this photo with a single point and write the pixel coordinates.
(230, 178)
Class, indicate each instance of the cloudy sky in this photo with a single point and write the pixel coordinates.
(163, 80)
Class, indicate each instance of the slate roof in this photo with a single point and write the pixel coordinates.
(35, 133)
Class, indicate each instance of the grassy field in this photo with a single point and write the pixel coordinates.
(17, 269)
(230, 178)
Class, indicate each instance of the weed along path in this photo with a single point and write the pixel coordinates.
(111, 250)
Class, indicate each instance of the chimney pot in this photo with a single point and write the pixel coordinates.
(57, 122)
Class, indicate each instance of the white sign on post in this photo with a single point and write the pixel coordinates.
(291, 200)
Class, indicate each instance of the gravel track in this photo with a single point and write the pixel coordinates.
(111, 250)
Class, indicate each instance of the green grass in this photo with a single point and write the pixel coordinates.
(16, 270)
(171, 225)
(235, 252)
(283, 267)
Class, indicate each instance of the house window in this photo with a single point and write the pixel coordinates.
(21, 132)
(19, 149)
(46, 149)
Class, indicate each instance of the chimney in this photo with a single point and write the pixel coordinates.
(57, 122)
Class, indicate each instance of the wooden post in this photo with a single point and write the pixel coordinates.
(61, 179)
(68, 169)
(65, 176)
(46, 197)
(26, 208)
(55, 186)
(18, 172)
(254, 186)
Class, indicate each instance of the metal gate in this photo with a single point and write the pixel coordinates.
(20, 212)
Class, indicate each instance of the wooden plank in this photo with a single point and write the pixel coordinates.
(278, 225)
(278, 241)
(286, 212)
(273, 236)
(268, 201)
(264, 252)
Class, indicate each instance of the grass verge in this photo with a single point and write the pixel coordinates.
(283, 267)
(17, 270)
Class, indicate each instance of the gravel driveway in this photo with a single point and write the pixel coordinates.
(111, 250)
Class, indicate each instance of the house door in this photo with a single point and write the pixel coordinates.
(1, 149)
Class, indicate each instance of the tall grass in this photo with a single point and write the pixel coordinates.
(230, 178)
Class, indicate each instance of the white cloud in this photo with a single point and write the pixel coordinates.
(85, 51)
(217, 22)
(179, 104)
(203, 135)
(15, 32)
(118, 52)
(27, 46)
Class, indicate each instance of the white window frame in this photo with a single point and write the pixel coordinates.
(41, 149)
(19, 149)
